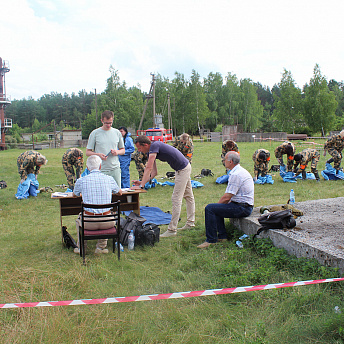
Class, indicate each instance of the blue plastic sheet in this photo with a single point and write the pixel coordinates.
(330, 173)
(264, 180)
(29, 187)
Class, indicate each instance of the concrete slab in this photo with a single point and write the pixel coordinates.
(318, 234)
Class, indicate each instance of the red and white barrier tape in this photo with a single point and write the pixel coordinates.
(166, 296)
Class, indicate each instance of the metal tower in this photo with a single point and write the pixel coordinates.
(4, 122)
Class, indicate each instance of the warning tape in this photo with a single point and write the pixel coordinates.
(166, 296)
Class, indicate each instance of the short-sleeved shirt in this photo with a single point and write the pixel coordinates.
(171, 155)
(102, 141)
(96, 188)
(240, 184)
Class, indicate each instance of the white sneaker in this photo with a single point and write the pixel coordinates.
(101, 251)
(187, 226)
(168, 233)
(76, 250)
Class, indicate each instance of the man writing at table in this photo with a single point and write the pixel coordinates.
(96, 188)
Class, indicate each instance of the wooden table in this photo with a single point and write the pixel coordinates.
(70, 205)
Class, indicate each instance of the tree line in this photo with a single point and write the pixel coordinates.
(195, 104)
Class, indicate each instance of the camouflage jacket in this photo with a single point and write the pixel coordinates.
(27, 163)
(307, 155)
(74, 157)
(256, 153)
(281, 149)
(185, 148)
(225, 150)
(335, 142)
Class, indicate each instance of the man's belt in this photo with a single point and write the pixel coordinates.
(243, 204)
(105, 213)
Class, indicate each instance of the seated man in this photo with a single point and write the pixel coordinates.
(96, 188)
(235, 203)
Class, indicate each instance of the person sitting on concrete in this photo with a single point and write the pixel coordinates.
(96, 188)
(261, 158)
(303, 158)
(334, 146)
(287, 148)
(236, 202)
(30, 162)
(73, 158)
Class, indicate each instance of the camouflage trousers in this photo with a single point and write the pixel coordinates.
(70, 174)
(337, 157)
(261, 168)
(314, 163)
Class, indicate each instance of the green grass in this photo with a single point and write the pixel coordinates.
(35, 266)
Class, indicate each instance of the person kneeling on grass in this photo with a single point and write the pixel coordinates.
(236, 202)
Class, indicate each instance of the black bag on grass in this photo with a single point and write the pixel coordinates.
(132, 222)
(149, 234)
(206, 172)
(276, 220)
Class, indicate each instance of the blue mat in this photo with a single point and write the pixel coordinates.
(153, 215)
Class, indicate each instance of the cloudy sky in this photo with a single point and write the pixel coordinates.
(69, 45)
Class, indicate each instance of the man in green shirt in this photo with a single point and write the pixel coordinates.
(107, 143)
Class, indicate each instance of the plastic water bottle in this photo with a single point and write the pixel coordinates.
(244, 236)
(131, 241)
(291, 197)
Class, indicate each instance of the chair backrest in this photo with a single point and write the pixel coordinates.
(114, 214)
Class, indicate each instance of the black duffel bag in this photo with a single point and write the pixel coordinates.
(132, 222)
(148, 234)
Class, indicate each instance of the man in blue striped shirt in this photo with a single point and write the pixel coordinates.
(96, 188)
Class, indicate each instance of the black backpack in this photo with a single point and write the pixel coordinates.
(149, 234)
(206, 172)
(276, 220)
(132, 222)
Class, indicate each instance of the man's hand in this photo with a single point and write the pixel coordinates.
(102, 156)
(136, 182)
(324, 154)
(135, 187)
(22, 181)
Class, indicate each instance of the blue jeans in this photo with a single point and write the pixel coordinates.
(215, 213)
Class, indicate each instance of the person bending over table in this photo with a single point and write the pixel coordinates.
(182, 187)
(96, 188)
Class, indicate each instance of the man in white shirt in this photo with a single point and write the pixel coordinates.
(236, 202)
(107, 143)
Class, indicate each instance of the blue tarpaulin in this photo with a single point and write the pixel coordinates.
(28, 187)
(153, 215)
(264, 180)
(330, 173)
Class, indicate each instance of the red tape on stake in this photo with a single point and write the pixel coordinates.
(166, 296)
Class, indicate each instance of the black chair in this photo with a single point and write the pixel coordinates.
(111, 233)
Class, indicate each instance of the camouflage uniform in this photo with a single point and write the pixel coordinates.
(140, 162)
(334, 146)
(261, 166)
(308, 154)
(73, 157)
(185, 148)
(225, 150)
(281, 150)
(30, 162)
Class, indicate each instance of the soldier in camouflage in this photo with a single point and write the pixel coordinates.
(303, 158)
(140, 162)
(73, 158)
(30, 162)
(184, 144)
(227, 146)
(261, 158)
(334, 146)
(287, 148)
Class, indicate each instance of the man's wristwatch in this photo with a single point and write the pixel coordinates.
(142, 187)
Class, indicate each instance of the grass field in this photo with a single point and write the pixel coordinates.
(35, 266)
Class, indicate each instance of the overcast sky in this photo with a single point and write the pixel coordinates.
(68, 45)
